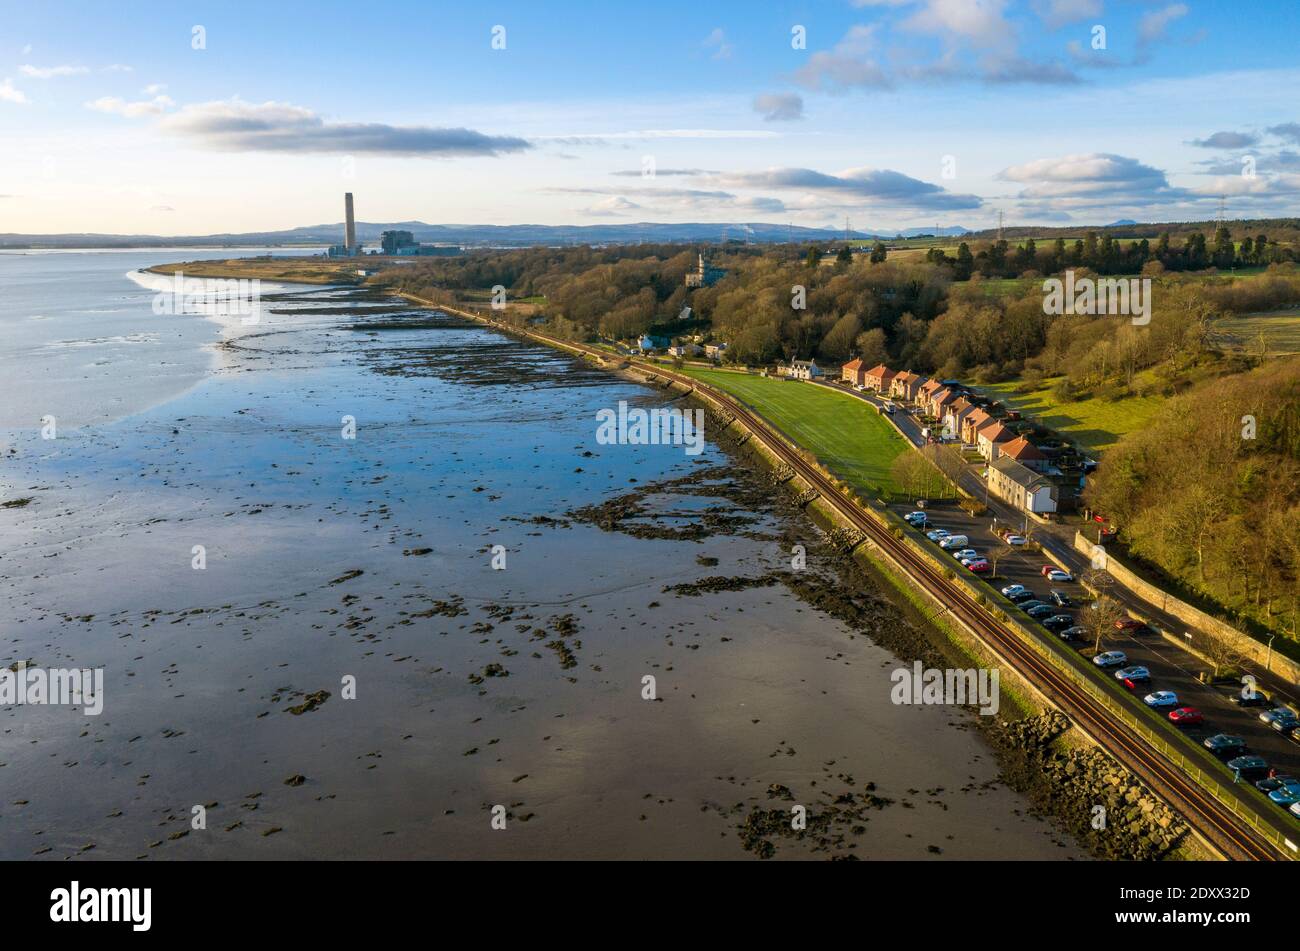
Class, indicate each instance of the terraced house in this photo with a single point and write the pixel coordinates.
(1024, 488)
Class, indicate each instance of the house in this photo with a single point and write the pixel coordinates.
(926, 393)
(854, 372)
(972, 423)
(956, 414)
(906, 386)
(1024, 488)
(991, 437)
(652, 343)
(1025, 453)
(685, 350)
(802, 370)
(940, 402)
(714, 351)
(878, 378)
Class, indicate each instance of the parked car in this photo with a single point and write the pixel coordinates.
(1285, 724)
(916, 519)
(1225, 746)
(980, 567)
(1110, 659)
(1249, 767)
(1295, 809)
(1268, 716)
(1023, 596)
(1012, 589)
(1059, 598)
(954, 541)
(1275, 782)
(1047, 569)
(1059, 575)
(1127, 624)
(1076, 633)
(1042, 611)
(1161, 699)
(1058, 622)
(1253, 699)
(1186, 716)
(1136, 674)
(1287, 794)
(1016, 540)
(937, 534)
(964, 553)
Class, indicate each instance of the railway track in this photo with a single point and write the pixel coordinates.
(1214, 820)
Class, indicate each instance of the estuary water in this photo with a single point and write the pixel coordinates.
(363, 583)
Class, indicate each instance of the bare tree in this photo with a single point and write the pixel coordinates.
(1100, 619)
(1224, 650)
(998, 553)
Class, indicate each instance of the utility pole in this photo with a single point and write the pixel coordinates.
(999, 225)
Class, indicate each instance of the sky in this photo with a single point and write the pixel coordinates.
(177, 118)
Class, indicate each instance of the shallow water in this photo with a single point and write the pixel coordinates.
(463, 437)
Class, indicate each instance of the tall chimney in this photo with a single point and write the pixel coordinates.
(350, 229)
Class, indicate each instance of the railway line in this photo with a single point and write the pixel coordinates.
(1204, 811)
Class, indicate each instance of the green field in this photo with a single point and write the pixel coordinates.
(1094, 424)
(1281, 331)
(845, 433)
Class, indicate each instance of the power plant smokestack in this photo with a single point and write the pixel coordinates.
(350, 229)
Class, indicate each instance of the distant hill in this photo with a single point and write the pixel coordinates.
(469, 235)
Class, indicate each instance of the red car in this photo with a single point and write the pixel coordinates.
(1047, 570)
(1186, 716)
(980, 567)
(1127, 624)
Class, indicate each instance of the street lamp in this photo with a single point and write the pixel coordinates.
(1268, 660)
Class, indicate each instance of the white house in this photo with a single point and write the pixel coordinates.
(803, 370)
(1022, 487)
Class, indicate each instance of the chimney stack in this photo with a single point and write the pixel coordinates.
(350, 229)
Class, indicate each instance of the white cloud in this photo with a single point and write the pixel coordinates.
(717, 41)
(131, 110)
(9, 94)
(779, 106)
(154, 89)
(51, 72)
(1155, 24)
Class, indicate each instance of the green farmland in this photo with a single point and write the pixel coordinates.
(1280, 331)
(845, 433)
(1095, 424)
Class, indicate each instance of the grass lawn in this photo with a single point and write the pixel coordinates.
(1094, 424)
(1281, 330)
(846, 434)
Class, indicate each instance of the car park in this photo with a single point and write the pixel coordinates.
(1249, 767)
(1059, 598)
(1186, 716)
(1161, 699)
(1110, 659)
(1013, 589)
(1225, 746)
(1137, 674)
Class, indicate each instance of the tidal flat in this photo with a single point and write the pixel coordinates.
(375, 563)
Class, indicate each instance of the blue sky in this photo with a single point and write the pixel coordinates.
(894, 113)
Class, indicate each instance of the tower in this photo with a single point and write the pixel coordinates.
(350, 228)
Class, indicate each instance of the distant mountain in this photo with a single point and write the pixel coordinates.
(1122, 223)
(469, 235)
(952, 232)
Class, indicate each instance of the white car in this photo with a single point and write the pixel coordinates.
(965, 553)
(1110, 659)
(1161, 699)
(1014, 589)
(1016, 540)
(1059, 575)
